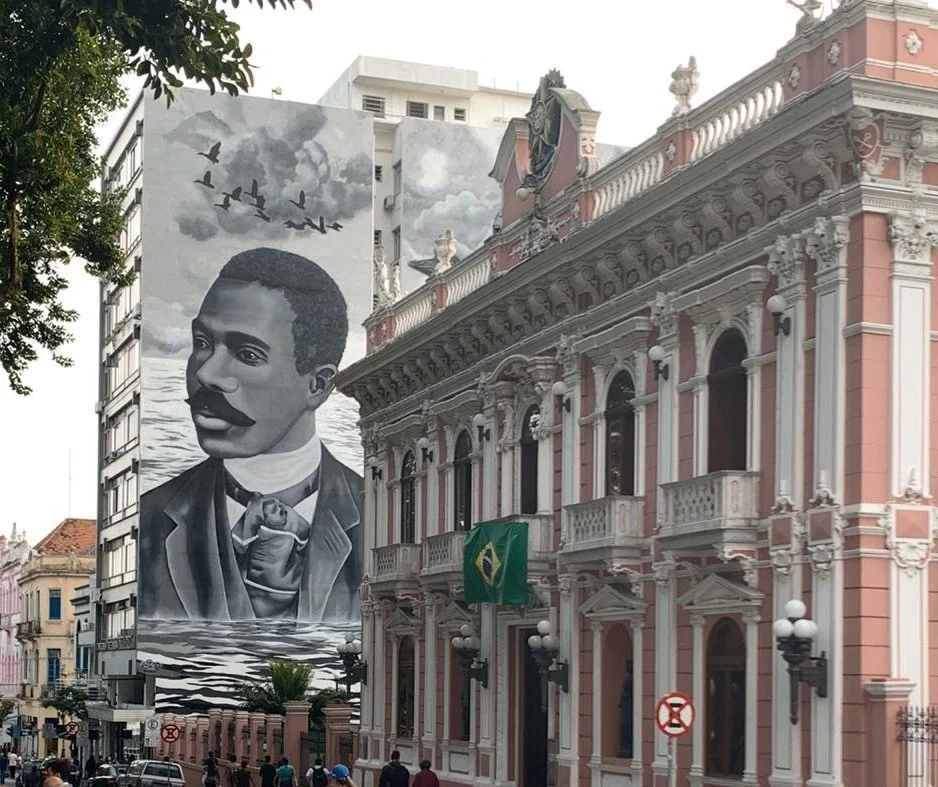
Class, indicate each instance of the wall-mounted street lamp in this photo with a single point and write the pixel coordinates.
(478, 421)
(544, 649)
(794, 635)
(656, 355)
(356, 670)
(468, 647)
(559, 390)
(423, 445)
(376, 472)
(777, 306)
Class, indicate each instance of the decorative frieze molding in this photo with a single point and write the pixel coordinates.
(786, 260)
(921, 148)
(912, 234)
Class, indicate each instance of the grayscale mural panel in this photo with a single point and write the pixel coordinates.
(256, 279)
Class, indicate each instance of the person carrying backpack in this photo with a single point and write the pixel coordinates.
(394, 774)
(317, 776)
(286, 776)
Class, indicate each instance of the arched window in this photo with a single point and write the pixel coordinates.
(620, 436)
(462, 482)
(529, 461)
(728, 404)
(408, 488)
(406, 677)
(726, 700)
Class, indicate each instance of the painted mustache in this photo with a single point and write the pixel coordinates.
(215, 404)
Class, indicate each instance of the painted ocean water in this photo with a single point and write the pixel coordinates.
(201, 663)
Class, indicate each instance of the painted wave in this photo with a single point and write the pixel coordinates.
(202, 663)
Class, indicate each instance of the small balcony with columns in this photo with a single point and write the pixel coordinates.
(602, 530)
(396, 570)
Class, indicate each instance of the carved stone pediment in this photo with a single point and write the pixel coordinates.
(716, 595)
(453, 616)
(402, 622)
(725, 298)
(610, 604)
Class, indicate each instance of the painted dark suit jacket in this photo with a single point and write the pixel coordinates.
(189, 570)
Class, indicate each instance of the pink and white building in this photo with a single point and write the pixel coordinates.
(705, 376)
(14, 552)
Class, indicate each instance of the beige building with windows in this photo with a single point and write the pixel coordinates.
(59, 565)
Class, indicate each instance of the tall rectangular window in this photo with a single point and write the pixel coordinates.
(396, 234)
(398, 180)
(379, 173)
(55, 604)
(53, 665)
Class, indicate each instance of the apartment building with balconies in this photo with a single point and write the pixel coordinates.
(58, 565)
(697, 384)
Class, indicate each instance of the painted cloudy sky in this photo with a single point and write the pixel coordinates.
(190, 231)
(446, 185)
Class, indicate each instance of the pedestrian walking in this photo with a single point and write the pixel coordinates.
(342, 776)
(210, 771)
(394, 774)
(286, 776)
(426, 777)
(243, 776)
(268, 773)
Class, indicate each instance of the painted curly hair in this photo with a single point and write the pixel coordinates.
(320, 322)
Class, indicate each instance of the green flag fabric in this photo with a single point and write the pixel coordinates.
(495, 563)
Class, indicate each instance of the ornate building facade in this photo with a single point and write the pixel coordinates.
(703, 377)
(14, 552)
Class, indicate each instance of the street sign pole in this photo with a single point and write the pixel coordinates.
(672, 781)
(674, 716)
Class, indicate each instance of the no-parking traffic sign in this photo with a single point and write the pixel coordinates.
(675, 714)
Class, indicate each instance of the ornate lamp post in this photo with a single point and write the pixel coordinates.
(356, 670)
(544, 649)
(467, 647)
(794, 635)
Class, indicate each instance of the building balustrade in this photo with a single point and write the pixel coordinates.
(710, 510)
(27, 628)
(396, 568)
(609, 528)
(442, 557)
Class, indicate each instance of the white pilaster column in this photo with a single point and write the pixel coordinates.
(417, 689)
(596, 757)
(395, 688)
(701, 400)
(913, 236)
(639, 360)
(751, 619)
(599, 431)
(570, 478)
(665, 318)
(545, 449)
(786, 263)
(506, 446)
(638, 685)
(786, 738)
(700, 699)
(430, 638)
(376, 677)
(569, 701)
(431, 517)
(754, 388)
(489, 477)
(367, 655)
(826, 244)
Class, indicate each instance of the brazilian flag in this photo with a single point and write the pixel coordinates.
(495, 563)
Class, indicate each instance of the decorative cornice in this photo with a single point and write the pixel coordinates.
(912, 235)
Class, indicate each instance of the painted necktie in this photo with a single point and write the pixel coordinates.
(270, 541)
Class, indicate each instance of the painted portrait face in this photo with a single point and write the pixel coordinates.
(245, 393)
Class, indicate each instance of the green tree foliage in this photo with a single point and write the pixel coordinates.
(319, 701)
(69, 703)
(60, 67)
(283, 682)
(7, 709)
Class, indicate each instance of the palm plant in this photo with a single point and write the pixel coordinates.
(319, 701)
(283, 682)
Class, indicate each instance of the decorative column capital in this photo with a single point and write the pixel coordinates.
(596, 625)
(696, 620)
(912, 234)
(826, 244)
(786, 260)
(664, 316)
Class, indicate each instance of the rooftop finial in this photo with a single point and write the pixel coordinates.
(444, 249)
(685, 82)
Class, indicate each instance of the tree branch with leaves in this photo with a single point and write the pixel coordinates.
(69, 703)
(61, 63)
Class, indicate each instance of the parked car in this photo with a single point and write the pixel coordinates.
(105, 776)
(153, 773)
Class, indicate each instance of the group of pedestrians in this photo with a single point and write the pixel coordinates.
(395, 774)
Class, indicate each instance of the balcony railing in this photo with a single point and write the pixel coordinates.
(711, 509)
(442, 554)
(607, 528)
(396, 566)
(27, 628)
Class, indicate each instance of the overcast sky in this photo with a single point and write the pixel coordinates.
(621, 62)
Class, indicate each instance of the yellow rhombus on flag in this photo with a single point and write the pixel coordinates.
(495, 563)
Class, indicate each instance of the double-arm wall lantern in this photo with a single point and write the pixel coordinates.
(544, 649)
(468, 647)
(356, 670)
(794, 635)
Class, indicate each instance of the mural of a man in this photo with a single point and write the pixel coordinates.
(269, 525)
